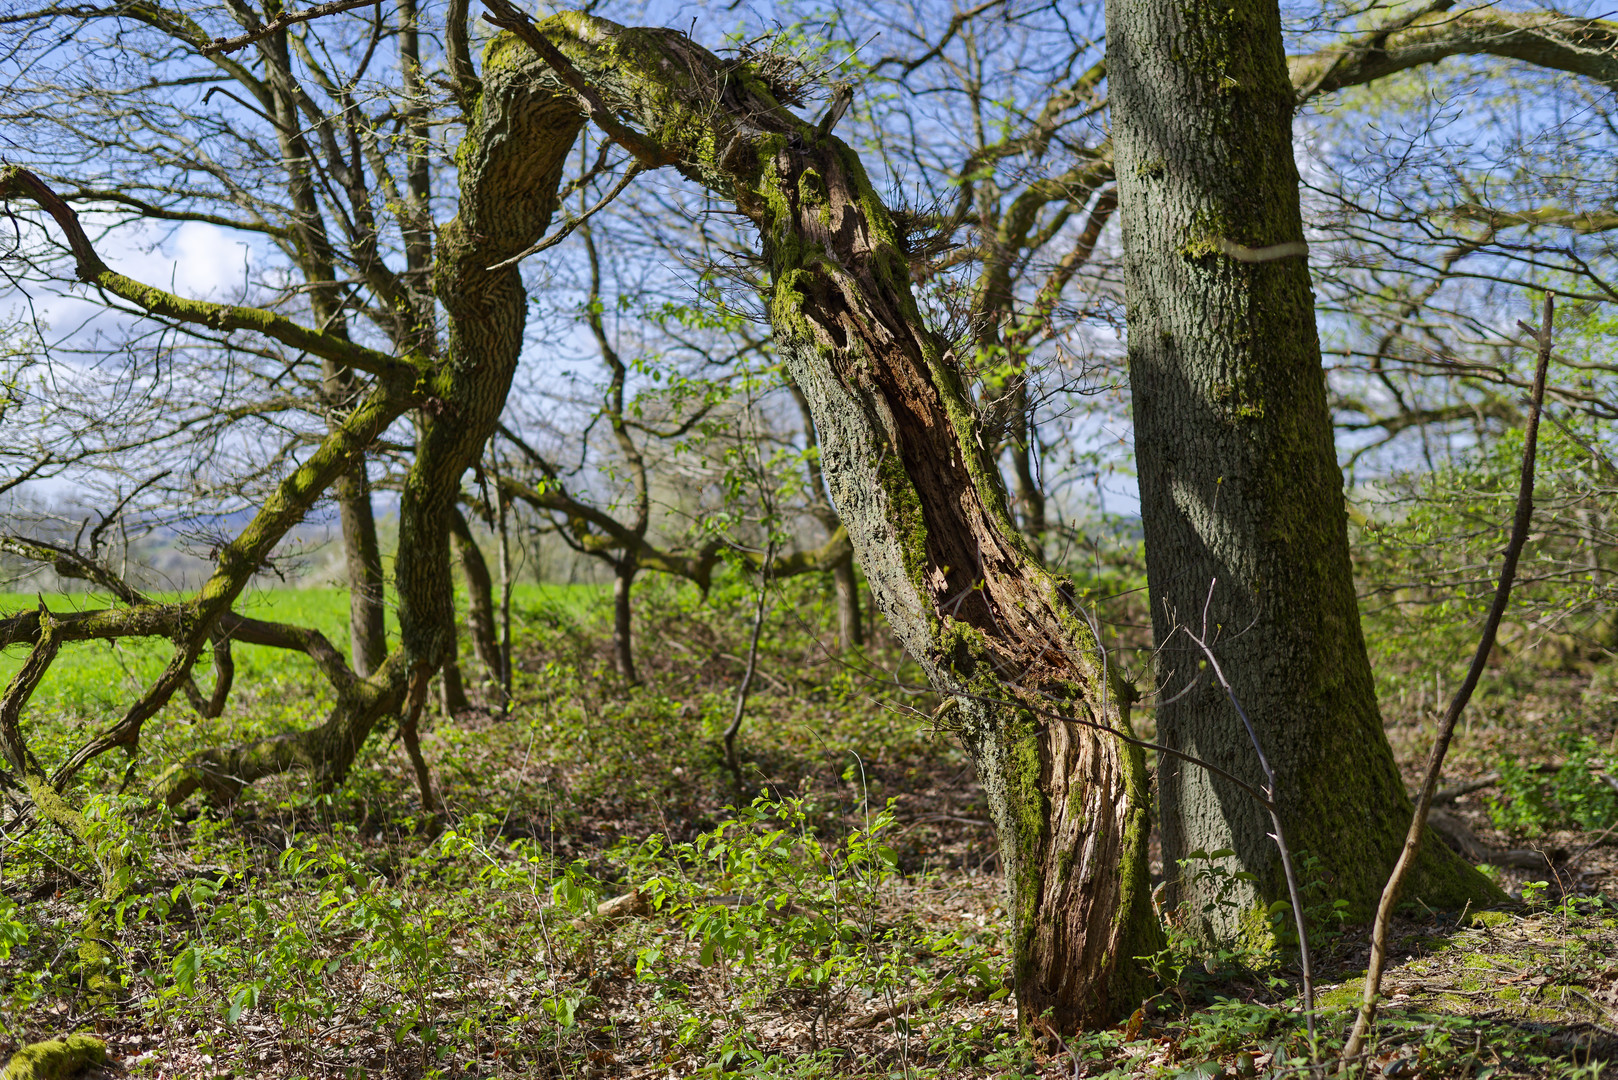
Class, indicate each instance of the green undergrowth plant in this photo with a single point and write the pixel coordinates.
(1272, 932)
(776, 912)
(1529, 801)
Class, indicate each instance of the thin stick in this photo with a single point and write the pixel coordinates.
(567, 229)
(418, 695)
(279, 23)
(502, 505)
(1279, 835)
(1435, 760)
(752, 666)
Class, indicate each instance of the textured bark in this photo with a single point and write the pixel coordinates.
(926, 510)
(362, 556)
(1238, 472)
(845, 583)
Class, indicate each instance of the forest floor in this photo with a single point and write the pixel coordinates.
(601, 900)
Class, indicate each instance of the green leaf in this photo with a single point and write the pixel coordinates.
(186, 966)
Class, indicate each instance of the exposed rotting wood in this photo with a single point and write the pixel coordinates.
(924, 506)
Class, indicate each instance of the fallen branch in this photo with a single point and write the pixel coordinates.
(1451, 794)
(1462, 839)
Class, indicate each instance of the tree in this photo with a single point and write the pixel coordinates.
(1217, 416)
(1036, 174)
(454, 392)
(924, 505)
(908, 458)
(1241, 495)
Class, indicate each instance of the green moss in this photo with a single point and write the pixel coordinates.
(1075, 808)
(1489, 919)
(1030, 812)
(1254, 931)
(97, 965)
(1344, 998)
(1213, 25)
(811, 188)
(1139, 932)
(1442, 879)
(504, 50)
(1203, 233)
(904, 506)
(59, 1059)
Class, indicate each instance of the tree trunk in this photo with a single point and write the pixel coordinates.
(452, 689)
(479, 598)
(928, 517)
(623, 649)
(926, 510)
(1238, 471)
(511, 161)
(352, 491)
(367, 630)
(850, 630)
(850, 627)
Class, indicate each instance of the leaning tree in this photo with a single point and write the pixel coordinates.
(1232, 433)
(902, 446)
(923, 502)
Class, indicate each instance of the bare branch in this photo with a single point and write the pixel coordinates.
(1586, 47)
(18, 182)
(281, 22)
(1446, 730)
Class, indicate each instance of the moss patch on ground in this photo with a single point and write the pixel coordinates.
(58, 1059)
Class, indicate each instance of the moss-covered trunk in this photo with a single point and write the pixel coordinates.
(362, 557)
(1238, 472)
(510, 166)
(928, 518)
(925, 508)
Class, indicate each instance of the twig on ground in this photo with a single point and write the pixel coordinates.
(1450, 794)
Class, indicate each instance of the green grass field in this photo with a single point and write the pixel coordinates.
(92, 678)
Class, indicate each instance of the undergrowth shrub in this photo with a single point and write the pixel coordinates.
(1577, 793)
